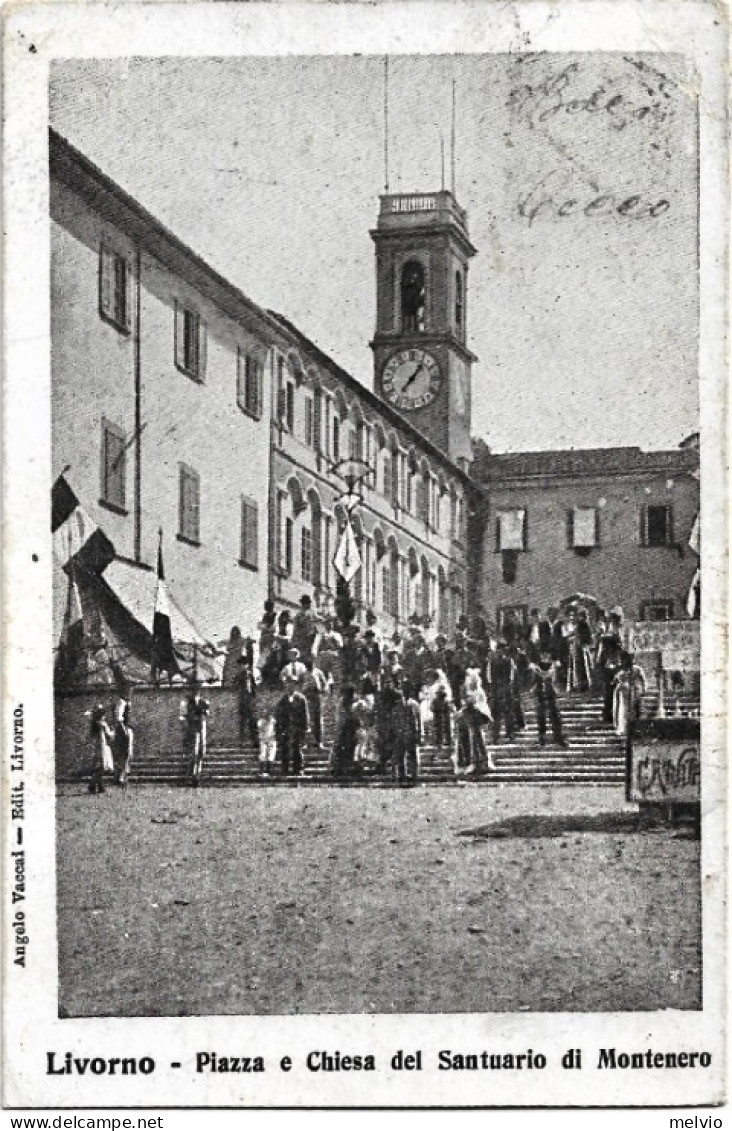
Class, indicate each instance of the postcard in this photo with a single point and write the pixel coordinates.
(365, 549)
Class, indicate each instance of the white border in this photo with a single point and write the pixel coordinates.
(93, 30)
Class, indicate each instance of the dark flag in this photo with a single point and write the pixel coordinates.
(163, 655)
(71, 644)
(76, 537)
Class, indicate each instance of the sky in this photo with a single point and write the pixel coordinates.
(578, 173)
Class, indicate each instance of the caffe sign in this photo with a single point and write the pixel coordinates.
(665, 771)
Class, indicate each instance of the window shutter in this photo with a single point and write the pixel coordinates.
(570, 528)
(278, 530)
(106, 282)
(196, 507)
(498, 533)
(670, 526)
(179, 330)
(395, 480)
(526, 530)
(241, 387)
(202, 349)
(281, 406)
(317, 418)
(394, 587)
(260, 389)
(289, 526)
(317, 529)
(249, 532)
(182, 501)
(128, 294)
(644, 526)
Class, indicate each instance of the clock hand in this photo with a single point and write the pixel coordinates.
(409, 380)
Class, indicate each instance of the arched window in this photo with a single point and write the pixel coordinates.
(459, 309)
(413, 296)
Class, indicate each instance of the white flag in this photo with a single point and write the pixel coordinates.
(347, 560)
(693, 595)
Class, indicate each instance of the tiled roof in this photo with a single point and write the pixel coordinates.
(584, 463)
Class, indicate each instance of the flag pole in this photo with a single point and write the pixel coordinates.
(386, 123)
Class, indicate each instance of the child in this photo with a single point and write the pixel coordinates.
(267, 744)
(194, 715)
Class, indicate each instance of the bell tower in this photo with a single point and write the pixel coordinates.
(422, 365)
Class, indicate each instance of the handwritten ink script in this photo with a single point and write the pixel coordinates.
(556, 94)
(553, 195)
(602, 134)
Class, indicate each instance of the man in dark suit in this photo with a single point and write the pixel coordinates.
(291, 727)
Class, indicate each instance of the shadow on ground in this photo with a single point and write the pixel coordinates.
(561, 825)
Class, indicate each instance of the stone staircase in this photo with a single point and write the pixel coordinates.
(595, 756)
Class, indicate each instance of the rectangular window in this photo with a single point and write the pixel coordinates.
(512, 617)
(326, 550)
(336, 439)
(190, 342)
(394, 572)
(249, 552)
(114, 466)
(657, 610)
(279, 531)
(386, 589)
(115, 288)
(657, 526)
(309, 422)
(460, 520)
(511, 530)
(306, 555)
(189, 499)
(395, 478)
(424, 491)
(290, 406)
(249, 384)
(386, 481)
(583, 528)
(289, 528)
(317, 419)
(366, 447)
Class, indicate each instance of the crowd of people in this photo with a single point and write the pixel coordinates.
(396, 693)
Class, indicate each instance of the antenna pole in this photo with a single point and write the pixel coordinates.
(452, 141)
(386, 123)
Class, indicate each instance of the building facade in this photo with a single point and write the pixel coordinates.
(161, 391)
(614, 524)
(410, 521)
(179, 405)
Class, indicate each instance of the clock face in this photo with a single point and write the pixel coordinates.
(411, 379)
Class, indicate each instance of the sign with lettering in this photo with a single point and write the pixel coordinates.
(678, 641)
(665, 771)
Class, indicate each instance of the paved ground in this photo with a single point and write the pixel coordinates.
(247, 900)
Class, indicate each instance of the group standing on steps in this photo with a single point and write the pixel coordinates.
(393, 694)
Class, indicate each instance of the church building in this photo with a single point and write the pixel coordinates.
(407, 447)
(179, 405)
